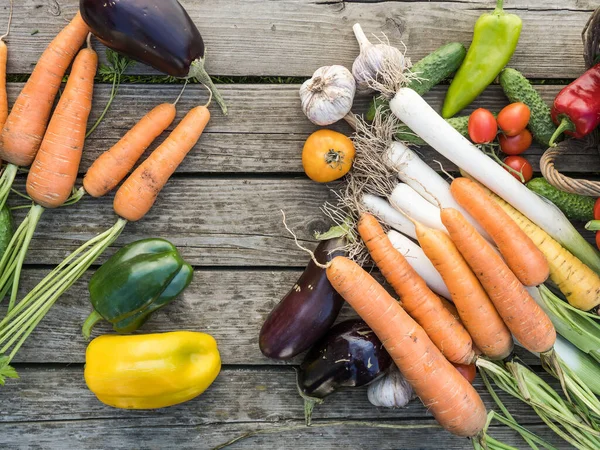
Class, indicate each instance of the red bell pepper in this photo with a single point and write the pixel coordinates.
(576, 109)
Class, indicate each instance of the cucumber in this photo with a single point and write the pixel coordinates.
(437, 66)
(6, 229)
(575, 207)
(518, 89)
(431, 70)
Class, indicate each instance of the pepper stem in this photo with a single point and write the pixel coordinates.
(565, 125)
(198, 72)
(89, 323)
(499, 7)
(593, 225)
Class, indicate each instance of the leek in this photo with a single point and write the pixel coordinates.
(578, 327)
(413, 171)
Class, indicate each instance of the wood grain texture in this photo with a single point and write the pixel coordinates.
(238, 395)
(103, 434)
(213, 221)
(294, 37)
(230, 304)
(266, 129)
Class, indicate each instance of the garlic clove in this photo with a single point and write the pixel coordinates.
(391, 391)
(328, 96)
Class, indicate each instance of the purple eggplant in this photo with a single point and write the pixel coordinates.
(159, 33)
(305, 314)
(349, 355)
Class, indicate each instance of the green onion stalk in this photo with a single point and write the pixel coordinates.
(562, 417)
(579, 328)
(6, 182)
(21, 320)
(13, 258)
(578, 383)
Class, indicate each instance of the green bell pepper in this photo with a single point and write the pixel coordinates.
(495, 39)
(136, 281)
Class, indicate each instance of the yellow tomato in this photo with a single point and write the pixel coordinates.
(327, 156)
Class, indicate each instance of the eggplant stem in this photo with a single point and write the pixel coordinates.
(198, 72)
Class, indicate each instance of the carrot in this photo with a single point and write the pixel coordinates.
(476, 311)
(417, 299)
(54, 171)
(452, 400)
(526, 261)
(138, 193)
(3, 60)
(27, 121)
(579, 283)
(526, 320)
(114, 164)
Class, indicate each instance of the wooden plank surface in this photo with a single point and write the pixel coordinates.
(294, 37)
(230, 304)
(222, 209)
(214, 221)
(270, 142)
(240, 400)
(101, 434)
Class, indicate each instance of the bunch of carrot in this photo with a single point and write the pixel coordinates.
(487, 286)
(53, 146)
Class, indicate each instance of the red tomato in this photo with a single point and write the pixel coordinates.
(519, 164)
(482, 126)
(515, 145)
(514, 118)
(468, 372)
(598, 239)
(597, 210)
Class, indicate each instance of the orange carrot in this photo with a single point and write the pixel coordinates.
(26, 124)
(452, 400)
(114, 164)
(478, 314)
(526, 320)
(417, 299)
(3, 59)
(54, 171)
(526, 261)
(138, 193)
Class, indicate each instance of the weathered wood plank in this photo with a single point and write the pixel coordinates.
(106, 434)
(214, 221)
(230, 304)
(264, 394)
(266, 129)
(255, 37)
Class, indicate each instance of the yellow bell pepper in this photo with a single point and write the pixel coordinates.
(152, 370)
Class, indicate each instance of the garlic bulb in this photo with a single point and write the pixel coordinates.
(373, 59)
(391, 391)
(328, 96)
